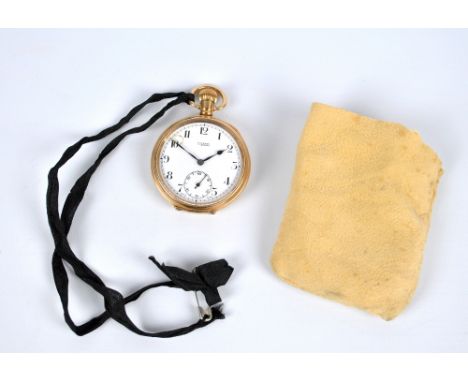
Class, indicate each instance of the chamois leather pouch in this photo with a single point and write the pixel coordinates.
(358, 211)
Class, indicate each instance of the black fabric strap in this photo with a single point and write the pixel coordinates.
(206, 278)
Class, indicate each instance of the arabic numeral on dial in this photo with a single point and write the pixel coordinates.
(229, 148)
(174, 143)
(187, 134)
(214, 191)
(180, 187)
(165, 158)
(169, 175)
(235, 165)
(227, 182)
(219, 136)
(204, 130)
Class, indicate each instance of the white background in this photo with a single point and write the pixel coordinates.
(57, 86)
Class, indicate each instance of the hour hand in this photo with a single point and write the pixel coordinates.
(219, 152)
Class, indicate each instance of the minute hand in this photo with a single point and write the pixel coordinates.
(199, 161)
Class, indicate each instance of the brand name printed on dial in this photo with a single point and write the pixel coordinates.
(203, 143)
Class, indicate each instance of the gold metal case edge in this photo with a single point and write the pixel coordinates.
(187, 206)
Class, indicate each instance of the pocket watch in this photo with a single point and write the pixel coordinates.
(201, 163)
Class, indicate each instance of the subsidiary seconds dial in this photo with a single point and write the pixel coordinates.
(200, 163)
(198, 185)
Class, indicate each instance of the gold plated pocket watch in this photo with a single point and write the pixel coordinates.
(201, 164)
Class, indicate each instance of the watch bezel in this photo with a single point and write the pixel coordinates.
(211, 207)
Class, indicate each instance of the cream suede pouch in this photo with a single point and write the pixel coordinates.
(358, 211)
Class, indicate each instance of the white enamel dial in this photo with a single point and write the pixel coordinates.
(200, 163)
